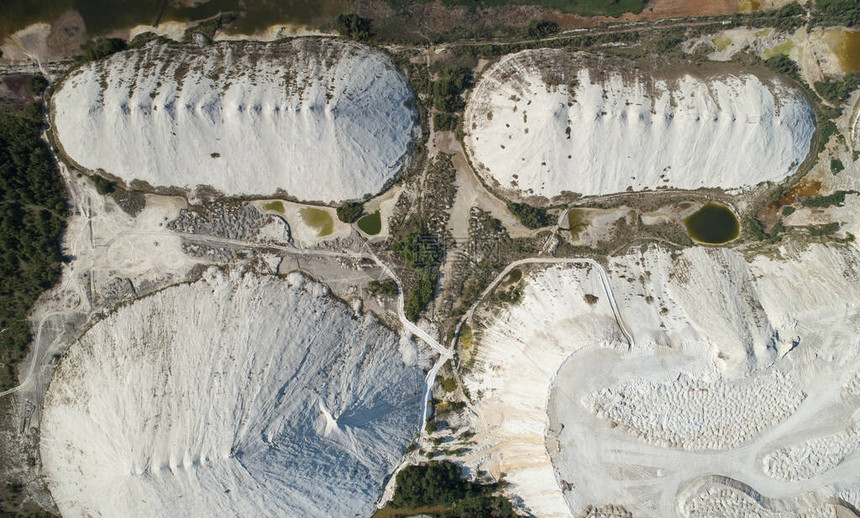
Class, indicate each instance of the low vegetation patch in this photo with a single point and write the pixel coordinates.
(466, 336)
(37, 84)
(32, 218)
(443, 484)
(447, 384)
(386, 287)
(787, 18)
(274, 206)
(837, 198)
(836, 12)
(103, 185)
(755, 230)
(100, 48)
(452, 82)
(423, 253)
(580, 7)
(827, 229)
(836, 166)
(445, 121)
(531, 217)
(354, 27)
(837, 91)
(350, 211)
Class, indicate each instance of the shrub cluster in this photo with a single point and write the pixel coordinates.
(100, 48)
(103, 185)
(422, 252)
(354, 27)
(787, 18)
(350, 211)
(447, 89)
(531, 217)
(837, 198)
(836, 12)
(836, 166)
(837, 91)
(443, 484)
(386, 287)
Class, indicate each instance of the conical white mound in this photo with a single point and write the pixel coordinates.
(321, 119)
(231, 396)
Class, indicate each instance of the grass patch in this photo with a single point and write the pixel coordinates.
(371, 224)
(447, 384)
(466, 336)
(783, 49)
(274, 206)
(721, 42)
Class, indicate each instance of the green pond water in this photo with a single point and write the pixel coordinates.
(275, 206)
(371, 224)
(104, 16)
(318, 219)
(713, 224)
(576, 222)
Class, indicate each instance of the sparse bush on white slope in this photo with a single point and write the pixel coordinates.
(232, 396)
(322, 119)
(542, 122)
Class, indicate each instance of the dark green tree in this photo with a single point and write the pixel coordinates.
(354, 27)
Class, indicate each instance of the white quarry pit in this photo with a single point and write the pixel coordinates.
(235, 395)
(318, 119)
(739, 369)
(545, 123)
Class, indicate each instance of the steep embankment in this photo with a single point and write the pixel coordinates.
(232, 396)
(320, 119)
(542, 123)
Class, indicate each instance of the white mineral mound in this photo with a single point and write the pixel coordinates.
(730, 359)
(231, 396)
(321, 119)
(544, 123)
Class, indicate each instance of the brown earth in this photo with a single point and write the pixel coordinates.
(671, 8)
(435, 17)
(14, 87)
(68, 33)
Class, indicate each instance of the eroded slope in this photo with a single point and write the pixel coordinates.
(543, 123)
(322, 120)
(232, 396)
